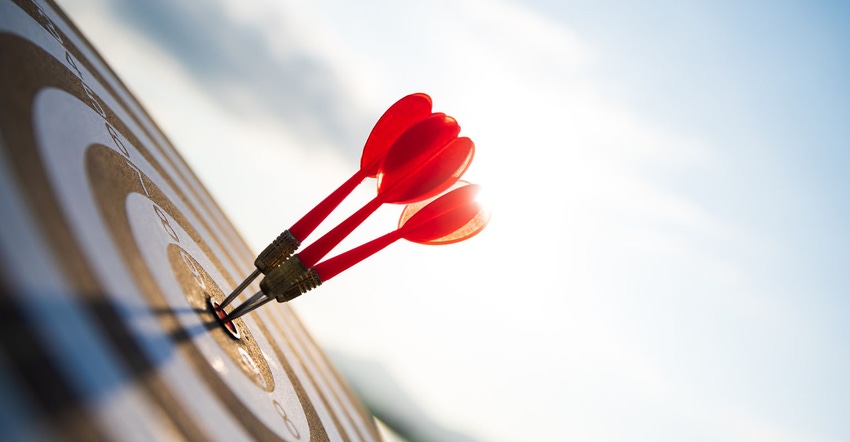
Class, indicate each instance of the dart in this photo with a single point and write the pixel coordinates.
(409, 175)
(399, 117)
(450, 218)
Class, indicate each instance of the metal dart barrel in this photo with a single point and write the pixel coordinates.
(272, 256)
(283, 283)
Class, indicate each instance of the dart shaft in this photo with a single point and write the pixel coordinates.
(334, 266)
(316, 251)
(308, 223)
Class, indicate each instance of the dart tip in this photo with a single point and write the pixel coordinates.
(259, 299)
(240, 288)
(222, 318)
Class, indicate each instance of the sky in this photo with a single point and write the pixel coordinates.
(667, 254)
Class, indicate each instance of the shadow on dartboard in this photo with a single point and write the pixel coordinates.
(111, 253)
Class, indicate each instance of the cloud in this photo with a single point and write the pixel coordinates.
(253, 66)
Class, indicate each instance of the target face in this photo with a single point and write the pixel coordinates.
(112, 253)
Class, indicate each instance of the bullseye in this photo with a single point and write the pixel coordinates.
(220, 315)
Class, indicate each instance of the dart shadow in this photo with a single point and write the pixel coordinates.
(63, 356)
(116, 315)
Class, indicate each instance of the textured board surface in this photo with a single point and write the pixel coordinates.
(110, 250)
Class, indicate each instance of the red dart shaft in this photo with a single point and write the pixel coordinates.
(316, 251)
(334, 266)
(308, 223)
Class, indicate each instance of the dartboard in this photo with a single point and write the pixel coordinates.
(111, 252)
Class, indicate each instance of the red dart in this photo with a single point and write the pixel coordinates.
(399, 117)
(454, 215)
(425, 160)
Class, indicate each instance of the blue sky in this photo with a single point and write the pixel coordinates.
(669, 243)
